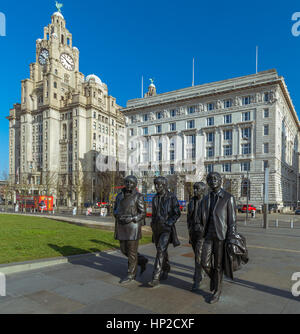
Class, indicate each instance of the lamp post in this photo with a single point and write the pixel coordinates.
(248, 181)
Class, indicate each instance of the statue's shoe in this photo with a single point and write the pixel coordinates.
(127, 280)
(154, 283)
(215, 298)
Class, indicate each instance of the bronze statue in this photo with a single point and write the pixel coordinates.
(196, 231)
(165, 213)
(218, 218)
(130, 214)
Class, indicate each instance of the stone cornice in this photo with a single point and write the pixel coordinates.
(211, 89)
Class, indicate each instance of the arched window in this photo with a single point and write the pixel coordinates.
(62, 39)
(245, 189)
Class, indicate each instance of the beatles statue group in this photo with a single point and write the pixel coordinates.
(211, 222)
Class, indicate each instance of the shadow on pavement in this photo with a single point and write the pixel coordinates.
(264, 288)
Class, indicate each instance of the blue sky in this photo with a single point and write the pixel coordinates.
(121, 41)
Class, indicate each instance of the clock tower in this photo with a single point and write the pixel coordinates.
(62, 123)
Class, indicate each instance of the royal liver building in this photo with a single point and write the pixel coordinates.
(62, 124)
(236, 127)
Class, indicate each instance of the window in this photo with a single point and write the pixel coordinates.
(246, 100)
(173, 127)
(210, 137)
(191, 124)
(265, 164)
(246, 148)
(210, 152)
(172, 155)
(55, 95)
(209, 168)
(210, 121)
(131, 131)
(158, 115)
(228, 135)
(145, 118)
(173, 113)
(246, 116)
(227, 103)
(246, 133)
(227, 119)
(227, 150)
(266, 113)
(266, 130)
(245, 166)
(55, 84)
(158, 129)
(191, 110)
(172, 170)
(210, 106)
(226, 168)
(266, 97)
(145, 131)
(266, 148)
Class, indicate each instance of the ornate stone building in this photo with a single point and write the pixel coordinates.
(62, 123)
(235, 127)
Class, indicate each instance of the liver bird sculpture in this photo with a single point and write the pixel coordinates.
(59, 6)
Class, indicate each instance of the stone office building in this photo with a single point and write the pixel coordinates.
(62, 123)
(235, 127)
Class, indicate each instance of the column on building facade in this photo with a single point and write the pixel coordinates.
(179, 149)
(200, 154)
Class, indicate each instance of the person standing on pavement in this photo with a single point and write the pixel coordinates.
(165, 213)
(130, 212)
(196, 231)
(218, 217)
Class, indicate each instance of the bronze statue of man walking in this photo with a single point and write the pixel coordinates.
(165, 213)
(130, 213)
(196, 231)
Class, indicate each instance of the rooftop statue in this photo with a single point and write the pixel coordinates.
(58, 6)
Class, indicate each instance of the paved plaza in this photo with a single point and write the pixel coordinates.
(90, 284)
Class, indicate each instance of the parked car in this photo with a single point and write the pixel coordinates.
(251, 207)
(297, 211)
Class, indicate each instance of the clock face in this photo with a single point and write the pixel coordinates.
(44, 55)
(67, 62)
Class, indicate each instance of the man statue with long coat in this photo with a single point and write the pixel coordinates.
(218, 217)
(130, 214)
(165, 213)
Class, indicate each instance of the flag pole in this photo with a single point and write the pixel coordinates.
(193, 84)
(256, 59)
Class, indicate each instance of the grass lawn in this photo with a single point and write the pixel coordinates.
(28, 238)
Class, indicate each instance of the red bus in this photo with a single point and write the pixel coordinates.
(39, 203)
